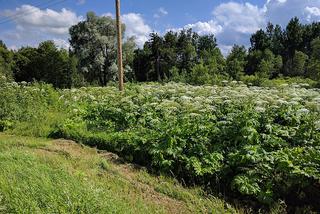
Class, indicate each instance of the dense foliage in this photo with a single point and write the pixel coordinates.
(91, 59)
(6, 63)
(188, 57)
(46, 63)
(294, 48)
(248, 142)
(262, 143)
(184, 56)
(93, 41)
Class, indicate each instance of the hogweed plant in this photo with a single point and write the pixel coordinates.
(261, 143)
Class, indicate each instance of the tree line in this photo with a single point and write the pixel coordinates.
(274, 52)
(185, 56)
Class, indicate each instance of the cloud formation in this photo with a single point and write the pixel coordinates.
(242, 18)
(33, 25)
(234, 22)
(136, 27)
(210, 27)
(160, 13)
(28, 17)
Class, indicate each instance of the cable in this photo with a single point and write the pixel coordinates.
(21, 14)
(39, 6)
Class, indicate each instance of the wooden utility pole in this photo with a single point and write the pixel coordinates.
(120, 63)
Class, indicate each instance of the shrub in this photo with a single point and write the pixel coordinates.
(253, 142)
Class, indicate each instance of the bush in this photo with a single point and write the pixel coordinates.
(253, 80)
(261, 144)
(26, 104)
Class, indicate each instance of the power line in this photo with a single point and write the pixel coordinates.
(21, 14)
(39, 6)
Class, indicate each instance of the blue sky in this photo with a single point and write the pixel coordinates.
(32, 21)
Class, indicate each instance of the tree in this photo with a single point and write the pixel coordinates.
(155, 46)
(293, 36)
(128, 56)
(260, 41)
(170, 54)
(293, 41)
(277, 66)
(206, 46)
(142, 65)
(276, 37)
(216, 63)
(176, 54)
(54, 65)
(236, 62)
(264, 63)
(315, 48)
(298, 64)
(313, 70)
(253, 60)
(199, 74)
(93, 41)
(186, 50)
(26, 66)
(161, 53)
(291, 47)
(46, 63)
(6, 62)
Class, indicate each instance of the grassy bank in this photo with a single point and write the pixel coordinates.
(57, 176)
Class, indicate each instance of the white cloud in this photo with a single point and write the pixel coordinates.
(108, 14)
(225, 49)
(136, 26)
(160, 13)
(61, 43)
(238, 21)
(202, 28)
(281, 11)
(33, 25)
(312, 13)
(233, 23)
(315, 11)
(33, 18)
(242, 18)
(210, 27)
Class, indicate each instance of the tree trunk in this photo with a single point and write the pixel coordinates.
(158, 68)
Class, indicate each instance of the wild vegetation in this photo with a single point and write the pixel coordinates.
(245, 126)
(252, 143)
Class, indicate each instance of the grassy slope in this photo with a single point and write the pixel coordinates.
(45, 176)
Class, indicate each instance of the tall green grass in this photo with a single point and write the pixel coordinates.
(43, 176)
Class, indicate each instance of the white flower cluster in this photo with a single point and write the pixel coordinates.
(175, 97)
